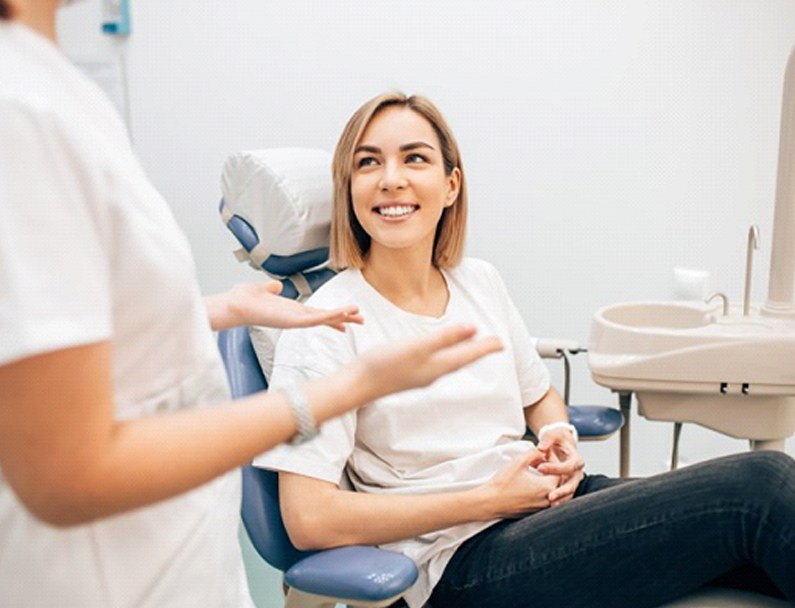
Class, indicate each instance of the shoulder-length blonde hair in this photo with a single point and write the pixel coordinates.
(349, 241)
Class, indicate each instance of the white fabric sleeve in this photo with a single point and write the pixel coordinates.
(54, 267)
(301, 355)
(533, 374)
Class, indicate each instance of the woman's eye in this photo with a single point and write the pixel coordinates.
(365, 161)
(416, 158)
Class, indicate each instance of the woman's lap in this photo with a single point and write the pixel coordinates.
(637, 542)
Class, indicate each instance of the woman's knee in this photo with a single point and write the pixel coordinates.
(764, 470)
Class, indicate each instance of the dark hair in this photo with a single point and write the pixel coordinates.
(5, 10)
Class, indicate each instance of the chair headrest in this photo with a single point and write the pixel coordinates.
(277, 203)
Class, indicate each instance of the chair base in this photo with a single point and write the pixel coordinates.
(300, 599)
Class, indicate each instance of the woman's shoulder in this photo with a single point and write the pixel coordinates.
(474, 269)
(339, 290)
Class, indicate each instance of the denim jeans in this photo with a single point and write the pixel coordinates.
(638, 542)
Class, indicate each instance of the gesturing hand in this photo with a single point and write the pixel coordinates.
(418, 362)
(261, 304)
(562, 459)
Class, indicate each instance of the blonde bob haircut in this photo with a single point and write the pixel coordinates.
(349, 241)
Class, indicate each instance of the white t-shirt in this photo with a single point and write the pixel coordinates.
(452, 435)
(89, 252)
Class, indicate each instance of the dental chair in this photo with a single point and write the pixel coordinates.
(277, 204)
(357, 576)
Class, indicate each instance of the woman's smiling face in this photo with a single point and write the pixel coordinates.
(399, 187)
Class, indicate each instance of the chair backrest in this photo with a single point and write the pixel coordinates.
(277, 204)
(260, 505)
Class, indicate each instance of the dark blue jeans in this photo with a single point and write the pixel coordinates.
(638, 542)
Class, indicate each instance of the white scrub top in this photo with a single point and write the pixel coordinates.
(89, 251)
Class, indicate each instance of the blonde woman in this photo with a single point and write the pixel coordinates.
(441, 473)
(118, 446)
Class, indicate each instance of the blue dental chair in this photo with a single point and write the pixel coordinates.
(359, 576)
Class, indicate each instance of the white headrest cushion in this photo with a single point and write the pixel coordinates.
(284, 193)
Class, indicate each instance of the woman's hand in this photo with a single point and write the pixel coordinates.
(518, 489)
(261, 304)
(561, 458)
(417, 362)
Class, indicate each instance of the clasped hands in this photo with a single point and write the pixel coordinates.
(546, 476)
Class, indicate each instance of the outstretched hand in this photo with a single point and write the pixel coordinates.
(261, 304)
(418, 362)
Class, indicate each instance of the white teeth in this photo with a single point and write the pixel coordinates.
(396, 211)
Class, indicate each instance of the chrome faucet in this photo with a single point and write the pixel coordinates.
(753, 243)
(723, 297)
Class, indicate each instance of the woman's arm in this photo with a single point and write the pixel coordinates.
(261, 304)
(349, 518)
(69, 461)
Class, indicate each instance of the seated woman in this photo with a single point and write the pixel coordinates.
(441, 473)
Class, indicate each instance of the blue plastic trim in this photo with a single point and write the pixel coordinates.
(354, 573)
(315, 279)
(282, 265)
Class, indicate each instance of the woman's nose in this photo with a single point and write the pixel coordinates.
(392, 176)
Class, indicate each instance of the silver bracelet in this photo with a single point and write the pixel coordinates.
(305, 424)
(553, 426)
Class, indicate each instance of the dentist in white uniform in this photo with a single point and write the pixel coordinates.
(118, 446)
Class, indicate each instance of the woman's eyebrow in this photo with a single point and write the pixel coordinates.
(404, 148)
(414, 145)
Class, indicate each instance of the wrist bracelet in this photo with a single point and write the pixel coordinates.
(305, 424)
(553, 426)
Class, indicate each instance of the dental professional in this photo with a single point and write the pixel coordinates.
(119, 448)
(441, 473)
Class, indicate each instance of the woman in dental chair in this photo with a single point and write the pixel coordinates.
(441, 473)
(119, 450)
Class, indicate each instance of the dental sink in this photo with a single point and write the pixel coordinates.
(686, 362)
(656, 314)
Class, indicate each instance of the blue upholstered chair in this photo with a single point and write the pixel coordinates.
(358, 576)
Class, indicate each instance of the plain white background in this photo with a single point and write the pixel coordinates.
(605, 142)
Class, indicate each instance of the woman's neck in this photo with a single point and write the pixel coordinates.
(38, 15)
(408, 279)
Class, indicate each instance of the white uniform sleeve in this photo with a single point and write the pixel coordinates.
(531, 371)
(54, 271)
(301, 355)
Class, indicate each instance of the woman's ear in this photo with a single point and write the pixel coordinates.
(453, 186)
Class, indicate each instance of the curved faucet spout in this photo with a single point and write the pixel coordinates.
(723, 297)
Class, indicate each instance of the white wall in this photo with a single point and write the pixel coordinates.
(605, 142)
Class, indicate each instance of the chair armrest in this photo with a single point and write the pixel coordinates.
(355, 573)
(554, 348)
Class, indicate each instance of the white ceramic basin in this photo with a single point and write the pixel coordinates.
(687, 362)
